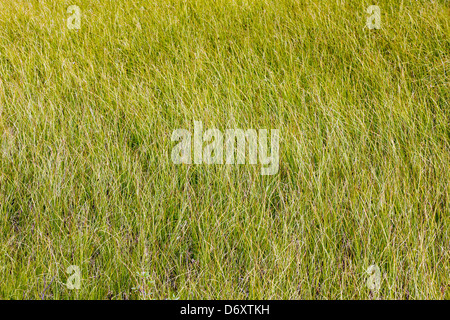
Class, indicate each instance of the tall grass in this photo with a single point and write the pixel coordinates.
(86, 178)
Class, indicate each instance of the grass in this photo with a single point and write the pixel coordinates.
(86, 177)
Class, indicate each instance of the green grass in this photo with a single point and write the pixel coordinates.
(86, 177)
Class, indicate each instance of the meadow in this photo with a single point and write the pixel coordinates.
(86, 177)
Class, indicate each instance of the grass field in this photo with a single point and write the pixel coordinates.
(86, 177)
